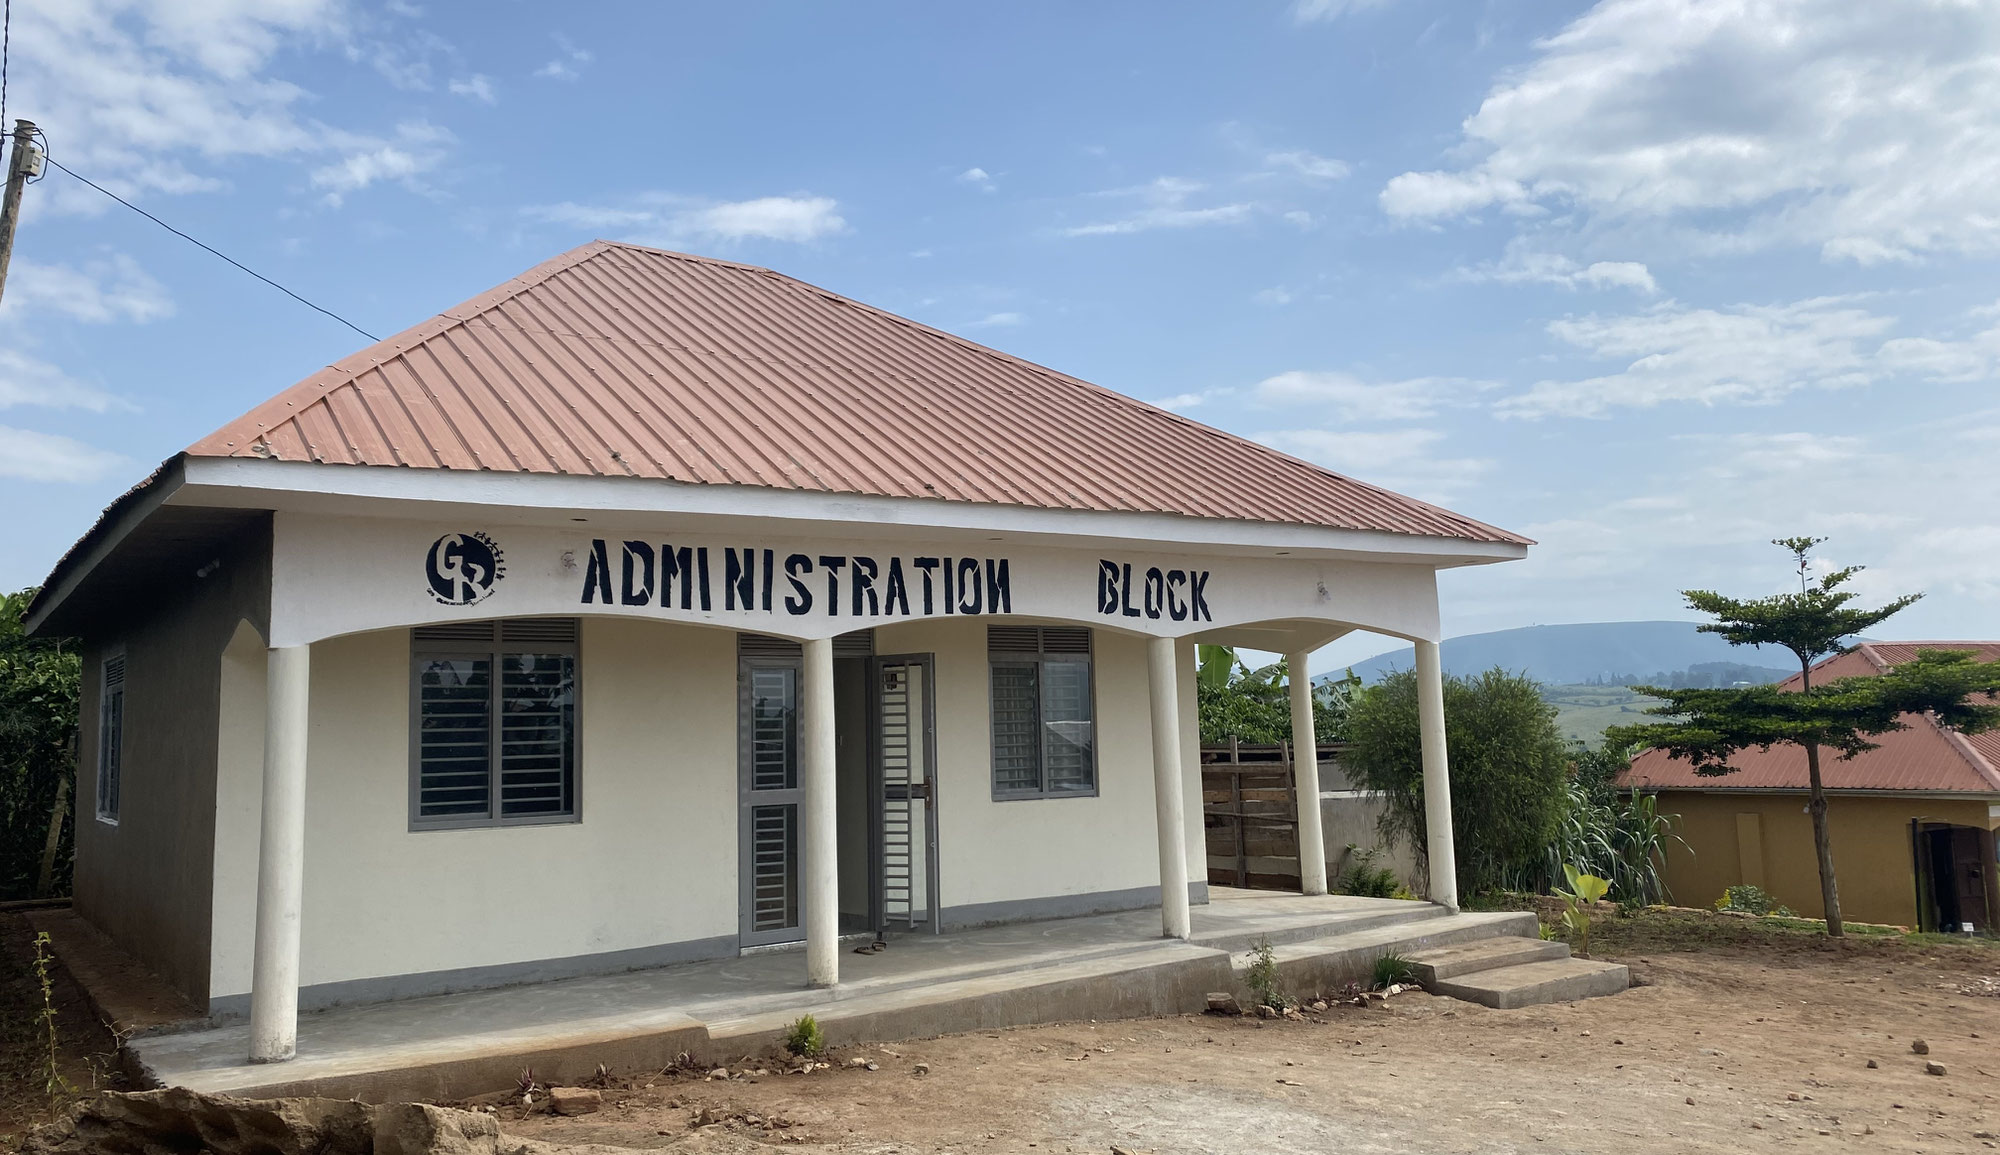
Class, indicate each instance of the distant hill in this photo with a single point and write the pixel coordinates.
(1601, 653)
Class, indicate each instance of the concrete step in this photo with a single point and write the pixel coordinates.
(1331, 962)
(1304, 928)
(1532, 984)
(1483, 955)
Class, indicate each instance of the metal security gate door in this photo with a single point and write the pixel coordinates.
(770, 795)
(905, 751)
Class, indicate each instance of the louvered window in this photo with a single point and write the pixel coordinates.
(1044, 728)
(111, 736)
(494, 705)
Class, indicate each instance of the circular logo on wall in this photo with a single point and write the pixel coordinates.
(463, 567)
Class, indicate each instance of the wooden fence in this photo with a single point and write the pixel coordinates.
(1250, 814)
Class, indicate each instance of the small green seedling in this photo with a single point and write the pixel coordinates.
(804, 1038)
(1262, 977)
(1583, 893)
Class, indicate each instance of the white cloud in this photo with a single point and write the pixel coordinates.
(31, 456)
(1522, 266)
(24, 380)
(1001, 320)
(108, 289)
(669, 219)
(1404, 460)
(1308, 165)
(1870, 132)
(477, 86)
(1180, 401)
(146, 95)
(1746, 354)
(567, 63)
(797, 219)
(1165, 207)
(1274, 296)
(1352, 399)
(418, 147)
(977, 177)
(1309, 11)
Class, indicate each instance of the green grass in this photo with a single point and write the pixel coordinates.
(1584, 712)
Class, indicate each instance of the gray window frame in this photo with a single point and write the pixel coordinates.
(494, 650)
(110, 781)
(1039, 658)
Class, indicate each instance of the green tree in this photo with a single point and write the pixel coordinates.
(1509, 770)
(38, 717)
(1255, 706)
(1710, 725)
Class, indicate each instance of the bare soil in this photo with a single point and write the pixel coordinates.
(1737, 1039)
(85, 1051)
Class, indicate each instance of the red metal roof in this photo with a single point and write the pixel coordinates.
(1922, 757)
(622, 361)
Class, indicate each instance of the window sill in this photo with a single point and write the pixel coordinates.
(488, 824)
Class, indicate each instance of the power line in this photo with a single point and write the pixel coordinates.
(207, 248)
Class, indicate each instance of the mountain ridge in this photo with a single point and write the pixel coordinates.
(1582, 652)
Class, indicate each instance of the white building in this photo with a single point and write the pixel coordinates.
(652, 608)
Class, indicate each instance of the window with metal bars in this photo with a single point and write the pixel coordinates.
(494, 712)
(1044, 727)
(111, 736)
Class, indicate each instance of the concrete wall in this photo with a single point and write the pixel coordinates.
(147, 881)
(1352, 821)
(649, 873)
(1766, 840)
(1021, 857)
(651, 864)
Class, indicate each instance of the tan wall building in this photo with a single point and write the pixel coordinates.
(1912, 821)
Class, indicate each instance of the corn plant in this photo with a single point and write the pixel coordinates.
(1584, 891)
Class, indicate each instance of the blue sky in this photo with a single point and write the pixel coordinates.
(1652, 281)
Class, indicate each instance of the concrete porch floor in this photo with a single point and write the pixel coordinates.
(1099, 967)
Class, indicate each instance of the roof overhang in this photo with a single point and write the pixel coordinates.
(188, 483)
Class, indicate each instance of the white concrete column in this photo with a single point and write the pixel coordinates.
(821, 869)
(1167, 802)
(1437, 779)
(281, 858)
(1305, 777)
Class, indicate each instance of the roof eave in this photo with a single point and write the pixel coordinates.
(117, 522)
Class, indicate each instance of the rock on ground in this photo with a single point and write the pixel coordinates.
(176, 1120)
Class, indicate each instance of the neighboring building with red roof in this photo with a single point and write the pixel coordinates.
(650, 608)
(1912, 820)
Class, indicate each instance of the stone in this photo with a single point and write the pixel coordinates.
(1919, 1047)
(180, 1120)
(1223, 1003)
(1933, 1067)
(1264, 1012)
(1690, 1100)
(574, 1100)
(1318, 1006)
(719, 1073)
(858, 1061)
(921, 1069)
(1873, 1065)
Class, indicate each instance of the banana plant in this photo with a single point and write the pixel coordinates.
(1584, 892)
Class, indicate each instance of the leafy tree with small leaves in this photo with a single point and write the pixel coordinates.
(1708, 726)
(1255, 706)
(38, 715)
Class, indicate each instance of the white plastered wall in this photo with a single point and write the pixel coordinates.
(239, 796)
(1033, 849)
(652, 862)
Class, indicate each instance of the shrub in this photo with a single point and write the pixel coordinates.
(1509, 766)
(804, 1039)
(1393, 968)
(1262, 977)
(1583, 893)
(1750, 900)
(1365, 879)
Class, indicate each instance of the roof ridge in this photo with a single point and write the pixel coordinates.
(1967, 751)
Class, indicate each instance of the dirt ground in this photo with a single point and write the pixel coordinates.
(1751, 1042)
(85, 1050)
(1767, 1031)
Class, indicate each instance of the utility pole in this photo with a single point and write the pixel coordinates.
(23, 162)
